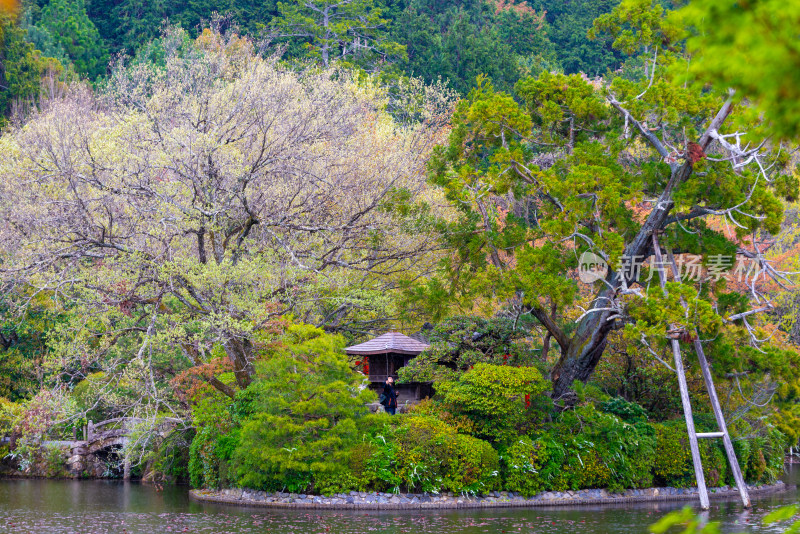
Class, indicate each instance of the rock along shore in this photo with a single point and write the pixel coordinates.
(360, 500)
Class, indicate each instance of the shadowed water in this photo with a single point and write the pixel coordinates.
(61, 506)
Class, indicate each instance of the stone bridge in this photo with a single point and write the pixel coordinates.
(99, 454)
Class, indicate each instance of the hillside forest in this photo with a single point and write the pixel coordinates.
(202, 203)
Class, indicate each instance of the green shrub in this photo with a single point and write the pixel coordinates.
(495, 398)
(761, 458)
(169, 462)
(630, 412)
(424, 454)
(54, 460)
(204, 463)
(673, 463)
(433, 457)
(715, 463)
(212, 420)
(743, 449)
(765, 464)
(522, 464)
(602, 451)
(299, 415)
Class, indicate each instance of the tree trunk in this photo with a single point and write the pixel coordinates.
(240, 353)
(580, 357)
(583, 351)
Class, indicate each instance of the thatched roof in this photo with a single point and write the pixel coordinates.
(390, 342)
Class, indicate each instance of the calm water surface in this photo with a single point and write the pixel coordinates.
(44, 506)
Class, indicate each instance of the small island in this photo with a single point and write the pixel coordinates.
(436, 261)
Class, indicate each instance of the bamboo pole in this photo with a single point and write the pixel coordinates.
(715, 405)
(684, 390)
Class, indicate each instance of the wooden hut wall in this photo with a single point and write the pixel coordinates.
(377, 367)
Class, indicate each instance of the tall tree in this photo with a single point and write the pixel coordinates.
(346, 30)
(70, 26)
(22, 67)
(126, 25)
(569, 22)
(191, 203)
(459, 41)
(579, 168)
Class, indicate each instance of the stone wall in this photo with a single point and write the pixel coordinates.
(499, 499)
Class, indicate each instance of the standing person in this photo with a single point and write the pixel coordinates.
(389, 396)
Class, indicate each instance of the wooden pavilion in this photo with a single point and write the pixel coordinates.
(383, 356)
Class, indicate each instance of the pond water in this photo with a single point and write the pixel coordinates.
(95, 506)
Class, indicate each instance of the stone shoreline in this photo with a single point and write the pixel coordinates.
(359, 500)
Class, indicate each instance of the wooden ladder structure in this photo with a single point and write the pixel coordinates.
(712, 394)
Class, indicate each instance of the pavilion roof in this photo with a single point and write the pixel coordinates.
(390, 342)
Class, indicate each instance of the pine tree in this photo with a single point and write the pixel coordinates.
(71, 28)
(349, 30)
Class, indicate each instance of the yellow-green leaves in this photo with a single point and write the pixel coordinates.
(495, 397)
(637, 25)
(751, 47)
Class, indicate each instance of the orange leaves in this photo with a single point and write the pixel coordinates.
(9, 6)
(521, 8)
(192, 383)
(695, 152)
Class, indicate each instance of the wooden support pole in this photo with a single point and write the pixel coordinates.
(684, 390)
(715, 405)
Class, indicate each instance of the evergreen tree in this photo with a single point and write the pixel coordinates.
(125, 25)
(460, 41)
(71, 28)
(569, 21)
(301, 413)
(349, 30)
(21, 65)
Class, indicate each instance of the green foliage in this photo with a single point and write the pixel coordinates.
(306, 402)
(21, 65)
(458, 343)
(423, 454)
(208, 463)
(458, 42)
(568, 24)
(638, 25)
(673, 464)
(127, 25)
(522, 462)
(752, 48)
(351, 31)
(494, 398)
(582, 449)
(630, 412)
(53, 460)
(169, 462)
(600, 450)
(451, 41)
(692, 523)
(760, 457)
(9, 413)
(76, 35)
(687, 519)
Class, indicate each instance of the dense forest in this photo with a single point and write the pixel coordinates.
(451, 41)
(203, 203)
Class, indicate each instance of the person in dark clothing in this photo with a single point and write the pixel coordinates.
(389, 396)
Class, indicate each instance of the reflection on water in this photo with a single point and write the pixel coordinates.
(57, 506)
